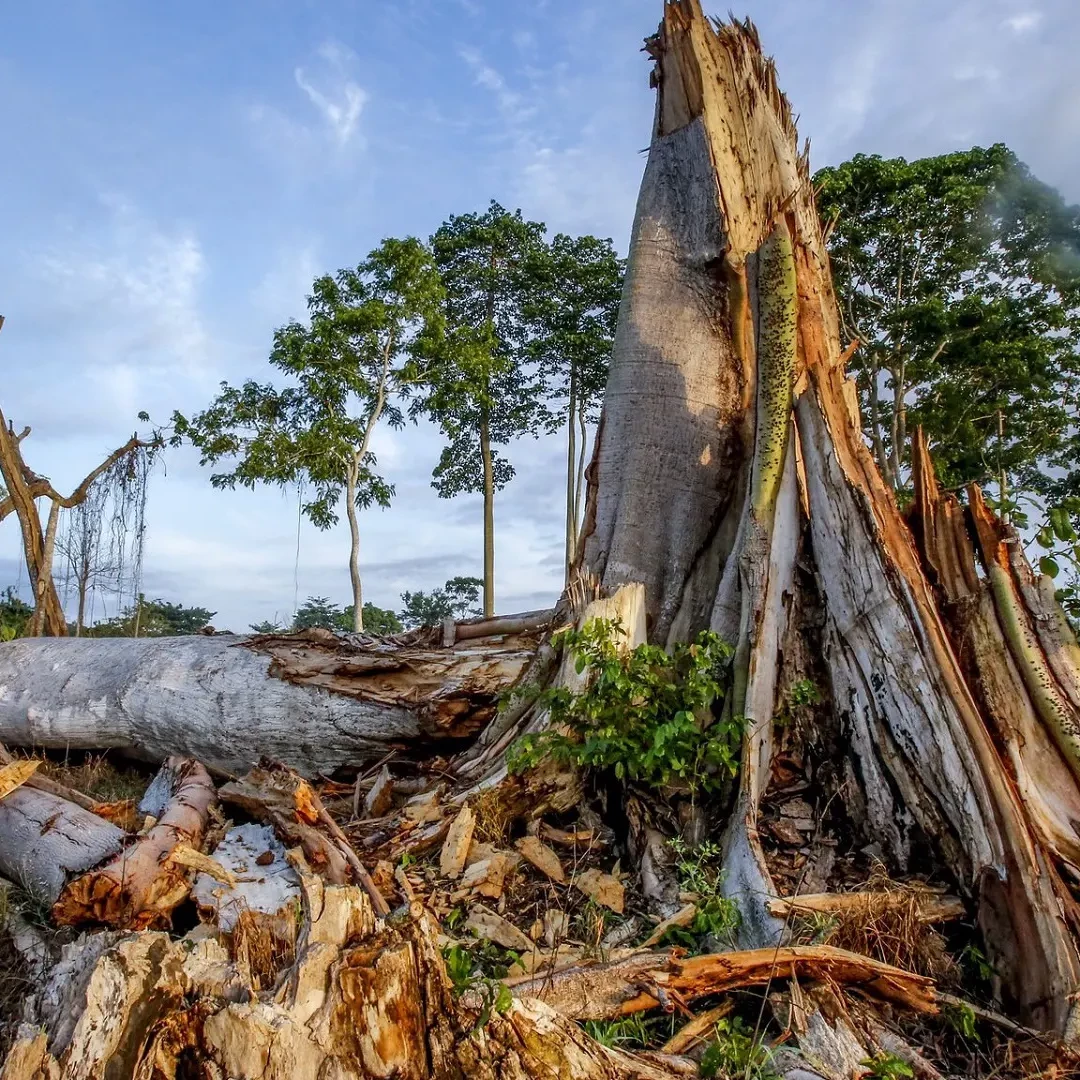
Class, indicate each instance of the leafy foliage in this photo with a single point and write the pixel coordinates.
(645, 713)
(887, 1067)
(344, 366)
(459, 598)
(319, 611)
(959, 276)
(14, 615)
(480, 970)
(155, 618)
(736, 1053)
(700, 872)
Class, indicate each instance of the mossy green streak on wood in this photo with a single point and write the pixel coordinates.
(776, 350)
(1050, 705)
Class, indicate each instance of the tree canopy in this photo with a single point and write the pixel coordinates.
(345, 366)
(572, 311)
(959, 277)
(459, 598)
(476, 384)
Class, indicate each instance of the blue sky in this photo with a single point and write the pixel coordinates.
(175, 176)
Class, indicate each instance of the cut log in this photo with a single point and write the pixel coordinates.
(141, 885)
(48, 841)
(315, 703)
(86, 870)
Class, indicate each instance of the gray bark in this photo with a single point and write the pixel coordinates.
(48, 841)
(194, 696)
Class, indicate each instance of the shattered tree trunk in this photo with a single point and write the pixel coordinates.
(730, 454)
(310, 701)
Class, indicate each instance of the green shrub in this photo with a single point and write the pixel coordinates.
(645, 713)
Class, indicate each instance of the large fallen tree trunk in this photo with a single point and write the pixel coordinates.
(313, 701)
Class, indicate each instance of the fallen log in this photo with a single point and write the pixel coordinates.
(315, 702)
(140, 886)
(88, 871)
(926, 907)
(654, 980)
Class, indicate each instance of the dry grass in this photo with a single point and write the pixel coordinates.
(886, 926)
(494, 815)
(99, 777)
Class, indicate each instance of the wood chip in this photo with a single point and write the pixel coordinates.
(683, 917)
(542, 857)
(381, 796)
(602, 889)
(581, 838)
(491, 927)
(455, 849)
(307, 803)
(16, 774)
(556, 926)
(487, 877)
(404, 884)
(186, 855)
(424, 808)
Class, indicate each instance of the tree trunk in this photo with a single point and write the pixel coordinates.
(489, 518)
(571, 466)
(710, 488)
(354, 549)
(310, 701)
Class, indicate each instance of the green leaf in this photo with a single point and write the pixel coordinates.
(1048, 565)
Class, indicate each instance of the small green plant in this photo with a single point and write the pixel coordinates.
(974, 961)
(466, 971)
(630, 1032)
(453, 917)
(645, 713)
(700, 872)
(960, 1016)
(887, 1067)
(737, 1053)
(801, 695)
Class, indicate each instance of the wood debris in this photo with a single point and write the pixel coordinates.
(486, 924)
(487, 877)
(15, 774)
(455, 849)
(542, 857)
(381, 796)
(603, 889)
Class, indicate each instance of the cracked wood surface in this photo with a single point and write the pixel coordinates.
(314, 704)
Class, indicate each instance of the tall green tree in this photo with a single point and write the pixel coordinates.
(959, 278)
(572, 310)
(346, 366)
(459, 598)
(479, 387)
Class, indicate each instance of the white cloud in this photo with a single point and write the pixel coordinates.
(1023, 22)
(340, 101)
(328, 84)
(128, 290)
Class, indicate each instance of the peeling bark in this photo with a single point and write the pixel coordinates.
(316, 703)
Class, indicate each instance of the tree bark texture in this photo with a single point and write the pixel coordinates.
(730, 452)
(312, 701)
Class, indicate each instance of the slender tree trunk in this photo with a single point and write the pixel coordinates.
(45, 578)
(354, 547)
(84, 582)
(489, 517)
(571, 465)
(579, 483)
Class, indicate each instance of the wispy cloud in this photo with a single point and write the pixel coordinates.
(129, 289)
(339, 99)
(1023, 22)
